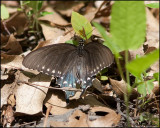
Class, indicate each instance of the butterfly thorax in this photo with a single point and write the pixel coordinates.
(80, 47)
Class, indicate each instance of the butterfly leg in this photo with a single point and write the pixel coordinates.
(83, 91)
(69, 94)
(86, 85)
(84, 88)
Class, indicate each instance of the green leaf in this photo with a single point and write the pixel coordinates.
(35, 5)
(72, 42)
(141, 117)
(81, 25)
(150, 86)
(139, 65)
(4, 12)
(108, 41)
(145, 86)
(128, 24)
(40, 3)
(45, 13)
(19, 9)
(153, 5)
(24, 2)
(142, 89)
(104, 78)
(156, 76)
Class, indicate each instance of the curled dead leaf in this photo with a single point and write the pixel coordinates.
(13, 46)
(103, 117)
(55, 17)
(6, 91)
(11, 100)
(120, 88)
(4, 39)
(56, 98)
(77, 119)
(29, 99)
(12, 61)
(8, 114)
(16, 23)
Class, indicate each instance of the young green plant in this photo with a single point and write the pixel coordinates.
(33, 11)
(127, 28)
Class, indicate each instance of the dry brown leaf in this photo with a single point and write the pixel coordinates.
(155, 90)
(152, 35)
(8, 115)
(56, 98)
(76, 96)
(90, 13)
(29, 99)
(154, 68)
(4, 39)
(6, 91)
(97, 84)
(99, 3)
(66, 7)
(11, 61)
(55, 17)
(61, 38)
(150, 49)
(120, 88)
(12, 10)
(77, 119)
(51, 32)
(14, 62)
(11, 100)
(42, 44)
(13, 46)
(16, 23)
(152, 23)
(152, 38)
(133, 53)
(10, 3)
(103, 117)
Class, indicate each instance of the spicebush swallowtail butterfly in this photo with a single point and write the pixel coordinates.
(71, 64)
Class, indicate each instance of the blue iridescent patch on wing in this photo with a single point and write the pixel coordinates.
(70, 80)
(67, 80)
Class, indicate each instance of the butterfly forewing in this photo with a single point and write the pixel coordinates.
(49, 59)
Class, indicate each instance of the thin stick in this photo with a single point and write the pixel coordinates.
(64, 88)
(47, 114)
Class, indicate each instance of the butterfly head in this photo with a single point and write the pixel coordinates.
(81, 42)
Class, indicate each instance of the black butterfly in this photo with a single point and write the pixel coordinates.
(71, 64)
